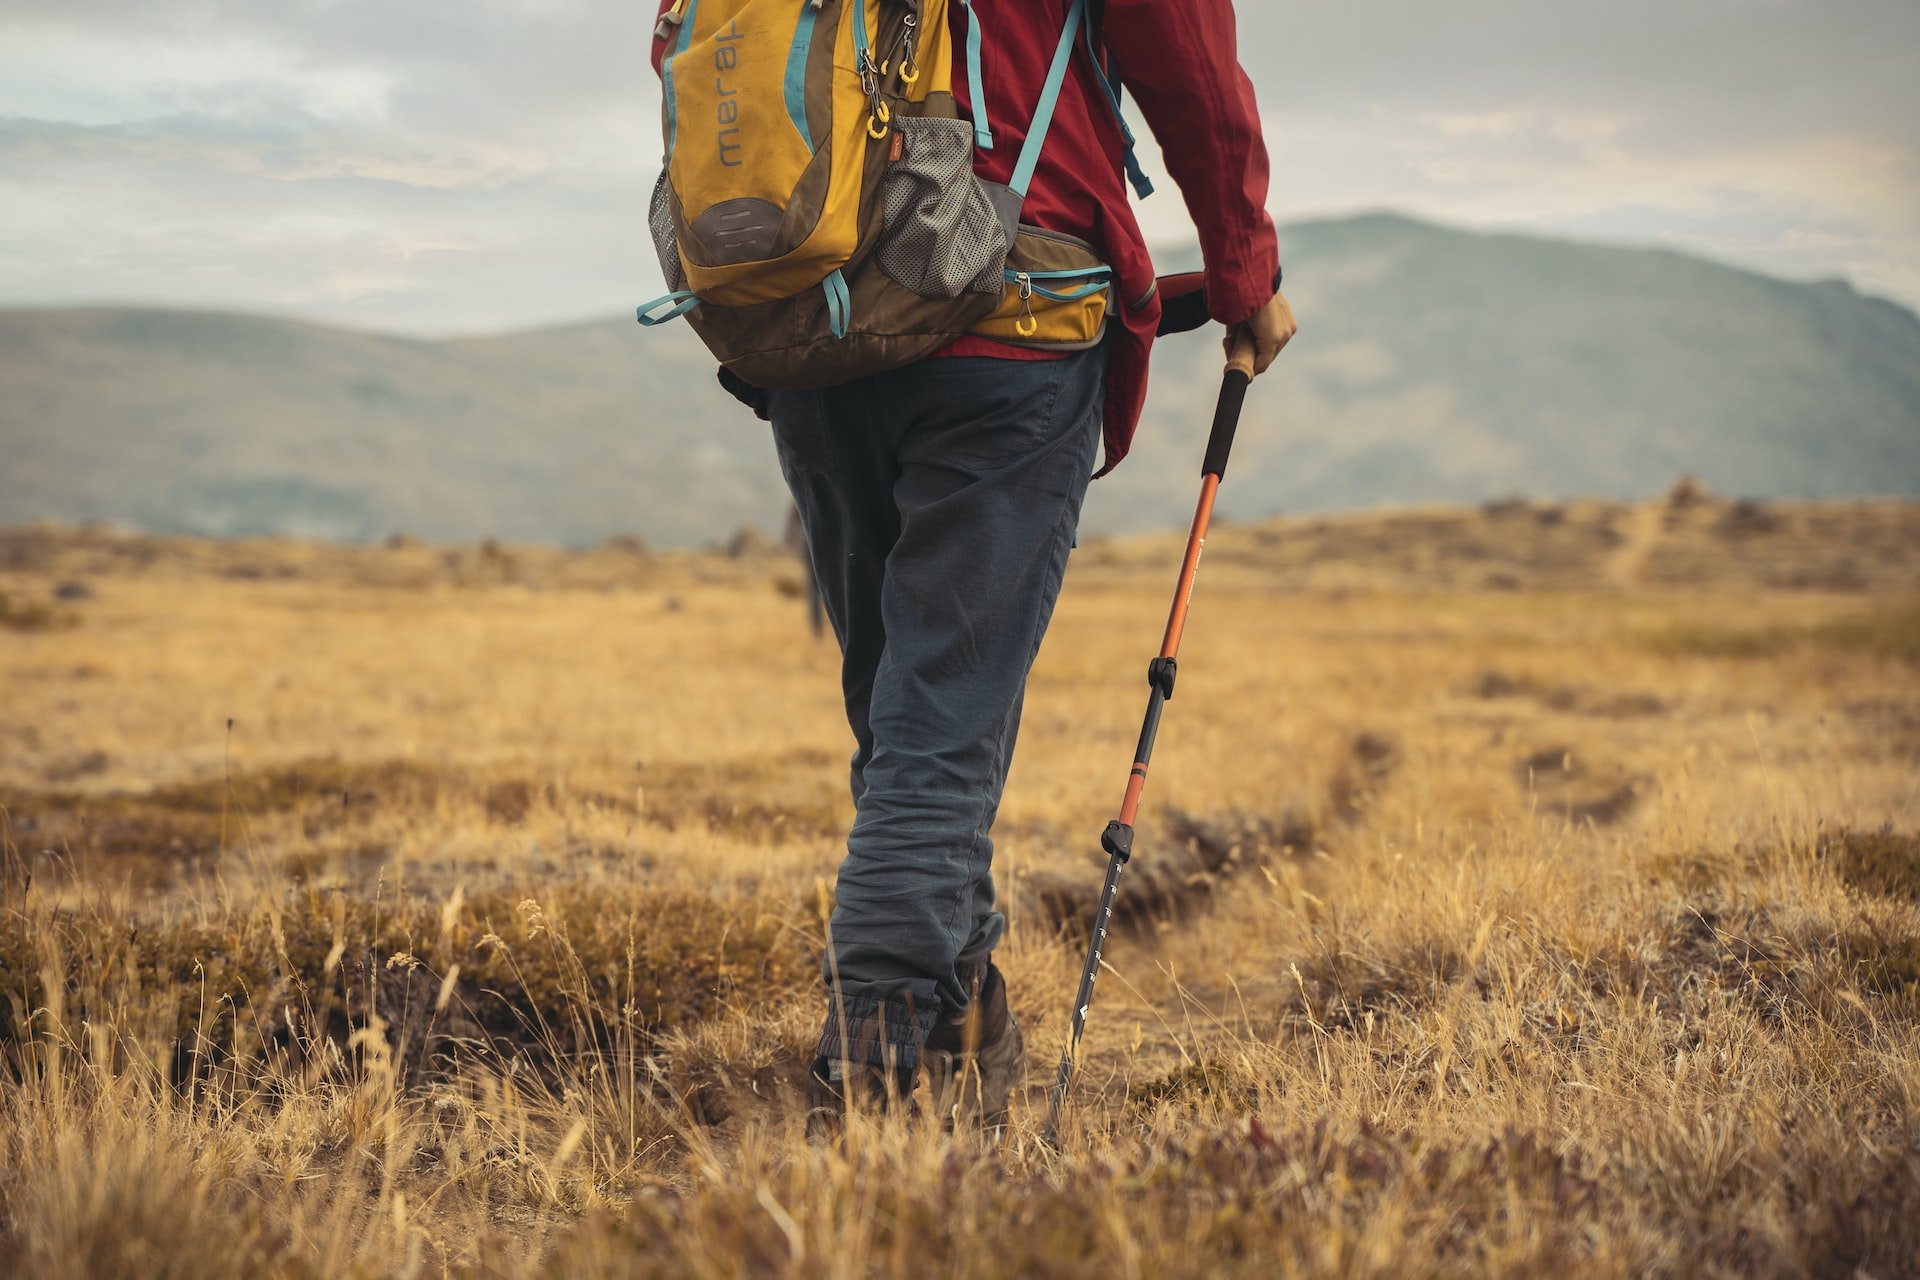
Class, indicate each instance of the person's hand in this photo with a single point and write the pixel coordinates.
(1270, 328)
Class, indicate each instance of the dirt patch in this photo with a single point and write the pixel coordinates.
(1191, 856)
(1201, 852)
(1884, 964)
(508, 802)
(86, 764)
(1749, 517)
(1892, 634)
(1698, 871)
(1890, 724)
(1343, 989)
(1193, 1086)
(32, 615)
(1884, 862)
(799, 794)
(1622, 706)
(1682, 958)
(1498, 684)
(161, 833)
(182, 821)
(1563, 782)
(1371, 760)
(1610, 704)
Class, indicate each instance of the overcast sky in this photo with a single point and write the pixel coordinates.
(434, 167)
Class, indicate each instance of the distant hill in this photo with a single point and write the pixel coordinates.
(1432, 365)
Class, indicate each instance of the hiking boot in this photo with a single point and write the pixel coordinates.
(860, 1034)
(834, 1087)
(973, 1061)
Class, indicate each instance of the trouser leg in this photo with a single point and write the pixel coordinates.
(840, 467)
(984, 465)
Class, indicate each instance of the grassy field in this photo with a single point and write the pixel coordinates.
(1528, 890)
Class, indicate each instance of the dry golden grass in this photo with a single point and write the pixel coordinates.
(1521, 893)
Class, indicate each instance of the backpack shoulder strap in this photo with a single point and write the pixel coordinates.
(1109, 78)
(1077, 28)
(1049, 99)
(982, 130)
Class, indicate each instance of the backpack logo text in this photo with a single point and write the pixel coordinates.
(727, 111)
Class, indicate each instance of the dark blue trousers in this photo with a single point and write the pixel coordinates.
(940, 501)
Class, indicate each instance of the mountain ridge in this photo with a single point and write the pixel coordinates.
(1434, 364)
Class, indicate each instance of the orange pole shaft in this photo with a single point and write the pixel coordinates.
(1176, 624)
(1135, 785)
(1190, 567)
(1117, 840)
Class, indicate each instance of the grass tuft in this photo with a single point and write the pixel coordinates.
(1884, 862)
(1460, 937)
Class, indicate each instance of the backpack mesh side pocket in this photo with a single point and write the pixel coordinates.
(941, 234)
(666, 241)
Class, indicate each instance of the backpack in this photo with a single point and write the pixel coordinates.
(818, 218)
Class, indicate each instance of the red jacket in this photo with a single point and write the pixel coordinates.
(1179, 59)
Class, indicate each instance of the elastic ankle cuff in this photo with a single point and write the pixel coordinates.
(884, 1033)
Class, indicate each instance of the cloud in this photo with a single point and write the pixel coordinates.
(434, 166)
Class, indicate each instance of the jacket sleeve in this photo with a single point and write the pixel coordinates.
(1180, 60)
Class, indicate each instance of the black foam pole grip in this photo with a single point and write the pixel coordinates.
(1226, 418)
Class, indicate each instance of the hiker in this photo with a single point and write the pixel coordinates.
(939, 471)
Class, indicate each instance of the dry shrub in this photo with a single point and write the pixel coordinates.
(174, 824)
(1239, 1201)
(123, 1192)
(1885, 862)
(33, 616)
(500, 972)
(1193, 855)
(1342, 989)
(778, 796)
(1888, 633)
(1420, 1033)
(1208, 1085)
(1566, 783)
(1884, 964)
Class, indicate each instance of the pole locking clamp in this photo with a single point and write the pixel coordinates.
(1160, 674)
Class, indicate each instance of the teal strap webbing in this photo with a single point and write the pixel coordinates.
(794, 86)
(1049, 99)
(1070, 273)
(1142, 184)
(1074, 294)
(1063, 286)
(839, 303)
(976, 95)
(1130, 160)
(683, 301)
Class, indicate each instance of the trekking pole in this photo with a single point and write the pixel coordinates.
(1117, 840)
